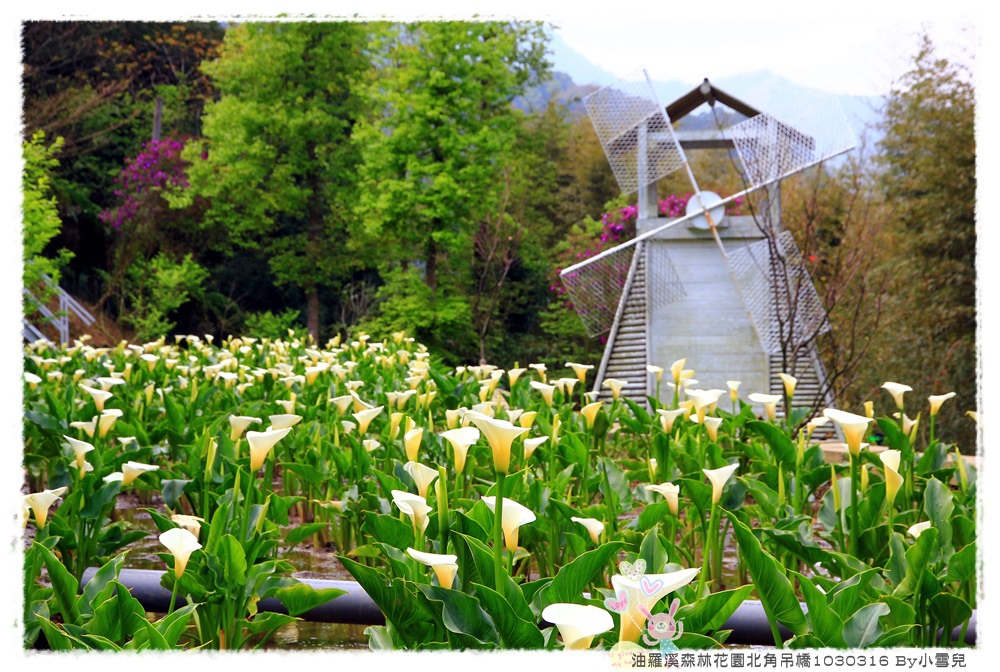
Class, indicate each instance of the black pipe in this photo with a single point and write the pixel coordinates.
(749, 623)
(355, 607)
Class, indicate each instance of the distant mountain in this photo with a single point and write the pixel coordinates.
(763, 90)
(560, 88)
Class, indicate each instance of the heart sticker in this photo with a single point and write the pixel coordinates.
(632, 572)
(619, 605)
(650, 586)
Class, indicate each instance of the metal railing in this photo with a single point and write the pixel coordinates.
(59, 319)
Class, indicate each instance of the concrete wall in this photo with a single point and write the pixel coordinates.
(710, 326)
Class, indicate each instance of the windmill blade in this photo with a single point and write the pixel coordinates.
(596, 287)
(807, 130)
(634, 130)
(779, 293)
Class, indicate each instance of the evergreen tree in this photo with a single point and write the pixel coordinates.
(276, 161)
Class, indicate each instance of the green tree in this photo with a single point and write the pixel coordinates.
(275, 162)
(438, 162)
(930, 179)
(40, 221)
(93, 83)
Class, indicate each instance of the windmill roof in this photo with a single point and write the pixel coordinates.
(706, 92)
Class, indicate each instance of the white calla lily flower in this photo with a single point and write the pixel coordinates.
(513, 517)
(578, 624)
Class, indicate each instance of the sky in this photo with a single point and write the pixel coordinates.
(837, 54)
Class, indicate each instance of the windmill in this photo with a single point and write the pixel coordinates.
(732, 297)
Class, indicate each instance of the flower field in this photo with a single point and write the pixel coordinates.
(478, 507)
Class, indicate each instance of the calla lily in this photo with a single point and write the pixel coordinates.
(531, 444)
(370, 444)
(31, 379)
(394, 420)
(615, 386)
(580, 370)
(239, 424)
(411, 441)
(815, 423)
(936, 401)
(770, 402)
(669, 492)
(40, 503)
(287, 404)
(527, 419)
(546, 391)
(190, 523)
(413, 506)
(451, 417)
(893, 481)
(228, 378)
(88, 427)
(80, 448)
(181, 543)
(100, 396)
(853, 426)
(500, 434)
(485, 408)
(909, 425)
(916, 530)
(150, 360)
(897, 390)
(342, 402)
(359, 404)
(514, 374)
(703, 400)
(261, 444)
(869, 409)
(133, 470)
(789, 383)
(733, 386)
(712, 427)
(422, 476)
(565, 385)
(719, 477)
(668, 418)
(676, 369)
(594, 527)
(444, 566)
(513, 414)
(641, 594)
(539, 369)
(365, 417)
(513, 517)
(106, 421)
(460, 439)
(589, 412)
(284, 420)
(578, 624)
(655, 370)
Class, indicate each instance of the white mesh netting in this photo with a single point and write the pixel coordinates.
(779, 293)
(665, 285)
(808, 129)
(634, 131)
(595, 289)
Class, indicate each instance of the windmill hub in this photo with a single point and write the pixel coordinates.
(699, 203)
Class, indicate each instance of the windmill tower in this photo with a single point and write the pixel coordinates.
(729, 294)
